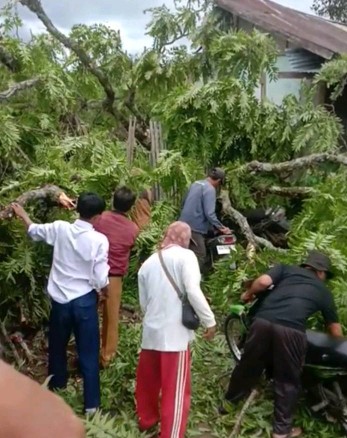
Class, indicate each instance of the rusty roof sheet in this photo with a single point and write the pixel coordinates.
(317, 35)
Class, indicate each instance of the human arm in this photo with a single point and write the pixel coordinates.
(262, 283)
(209, 206)
(330, 316)
(191, 278)
(29, 410)
(142, 291)
(37, 232)
(335, 330)
(101, 268)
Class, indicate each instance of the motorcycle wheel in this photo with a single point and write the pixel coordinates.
(235, 333)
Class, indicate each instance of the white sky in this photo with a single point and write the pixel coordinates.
(124, 15)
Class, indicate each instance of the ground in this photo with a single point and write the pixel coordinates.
(211, 367)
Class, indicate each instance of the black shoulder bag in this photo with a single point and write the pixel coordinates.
(190, 319)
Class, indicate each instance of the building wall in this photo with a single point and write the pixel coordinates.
(294, 65)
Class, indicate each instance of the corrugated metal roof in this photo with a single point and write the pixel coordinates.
(317, 35)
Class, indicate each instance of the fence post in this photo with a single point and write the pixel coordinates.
(131, 140)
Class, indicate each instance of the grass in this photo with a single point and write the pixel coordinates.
(211, 363)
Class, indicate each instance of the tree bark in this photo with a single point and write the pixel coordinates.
(19, 86)
(253, 240)
(297, 163)
(49, 191)
(290, 192)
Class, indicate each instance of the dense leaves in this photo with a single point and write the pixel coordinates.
(203, 89)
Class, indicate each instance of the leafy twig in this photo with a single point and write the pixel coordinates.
(236, 430)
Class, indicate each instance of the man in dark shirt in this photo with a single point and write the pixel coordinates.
(277, 336)
(199, 212)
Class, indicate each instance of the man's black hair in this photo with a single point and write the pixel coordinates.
(90, 205)
(123, 199)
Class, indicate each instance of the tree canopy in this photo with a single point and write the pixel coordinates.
(65, 105)
(333, 9)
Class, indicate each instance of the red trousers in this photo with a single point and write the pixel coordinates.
(163, 391)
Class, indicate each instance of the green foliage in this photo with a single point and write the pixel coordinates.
(334, 9)
(203, 91)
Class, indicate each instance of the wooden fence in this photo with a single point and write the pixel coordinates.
(157, 146)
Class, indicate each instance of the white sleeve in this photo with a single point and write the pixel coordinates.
(142, 292)
(44, 232)
(191, 280)
(101, 267)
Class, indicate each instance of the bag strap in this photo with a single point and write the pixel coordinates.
(169, 276)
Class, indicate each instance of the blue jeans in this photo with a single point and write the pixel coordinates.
(79, 316)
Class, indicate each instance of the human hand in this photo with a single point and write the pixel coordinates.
(18, 210)
(66, 202)
(247, 297)
(225, 230)
(210, 333)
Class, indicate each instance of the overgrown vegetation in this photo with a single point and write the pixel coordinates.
(64, 121)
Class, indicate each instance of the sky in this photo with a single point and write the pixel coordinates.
(127, 16)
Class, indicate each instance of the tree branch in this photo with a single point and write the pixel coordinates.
(253, 240)
(19, 86)
(290, 192)
(49, 191)
(297, 163)
(35, 6)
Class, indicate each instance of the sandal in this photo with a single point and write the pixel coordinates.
(295, 432)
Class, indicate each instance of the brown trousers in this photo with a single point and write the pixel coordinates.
(110, 321)
(282, 350)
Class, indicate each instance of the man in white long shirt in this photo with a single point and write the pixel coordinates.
(79, 269)
(164, 365)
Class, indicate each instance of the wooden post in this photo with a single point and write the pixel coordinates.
(156, 147)
(131, 140)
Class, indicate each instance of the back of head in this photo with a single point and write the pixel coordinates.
(123, 199)
(318, 262)
(178, 233)
(90, 205)
(217, 174)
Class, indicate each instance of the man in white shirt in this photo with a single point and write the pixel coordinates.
(79, 269)
(164, 365)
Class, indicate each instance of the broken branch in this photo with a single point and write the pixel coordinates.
(49, 191)
(19, 86)
(290, 192)
(253, 240)
(236, 430)
(297, 163)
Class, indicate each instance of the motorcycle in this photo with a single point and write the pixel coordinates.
(271, 224)
(324, 377)
(218, 247)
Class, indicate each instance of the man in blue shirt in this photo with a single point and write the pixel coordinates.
(199, 212)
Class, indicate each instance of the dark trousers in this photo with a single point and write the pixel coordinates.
(283, 350)
(79, 316)
(198, 246)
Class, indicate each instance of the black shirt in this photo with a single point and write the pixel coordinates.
(297, 294)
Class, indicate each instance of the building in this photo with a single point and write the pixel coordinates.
(305, 42)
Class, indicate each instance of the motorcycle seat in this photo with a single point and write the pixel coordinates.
(323, 349)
